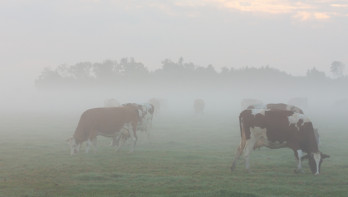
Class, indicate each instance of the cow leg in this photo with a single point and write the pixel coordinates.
(133, 136)
(94, 144)
(147, 132)
(249, 146)
(238, 154)
(121, 141)
(92, 140)
(78, 148)
(115, 140)
(298, 155)
(88, 145)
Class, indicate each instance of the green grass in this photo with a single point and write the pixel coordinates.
(187, 156)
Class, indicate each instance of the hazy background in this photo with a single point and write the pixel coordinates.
(291, 36)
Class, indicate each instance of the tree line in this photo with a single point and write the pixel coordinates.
(129, 72)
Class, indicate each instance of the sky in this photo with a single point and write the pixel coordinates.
(290, 35)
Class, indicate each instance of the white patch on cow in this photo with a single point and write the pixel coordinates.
(258, 111)
(293, 119)
(317, 157)
(140, 113)
(259, 137)
(258, 132)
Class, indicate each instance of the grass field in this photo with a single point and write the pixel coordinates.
(187, 156)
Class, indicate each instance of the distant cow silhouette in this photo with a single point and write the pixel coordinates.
(199, 106)
(111, 103)
(249, 101)
(301, 102)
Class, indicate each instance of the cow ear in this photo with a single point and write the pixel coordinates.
(305, 157)
(324, 155)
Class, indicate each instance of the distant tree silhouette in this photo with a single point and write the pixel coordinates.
(179, 75)
(48, 77)
(315, 74)
(106, 70)
(131, 68)
(337, 68)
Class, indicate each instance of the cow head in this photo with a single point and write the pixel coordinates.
(315, 160)
(74, 147)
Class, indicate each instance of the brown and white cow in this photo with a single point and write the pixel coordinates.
(198, 106)
(109, 122)
(284, 107)
(279, 129)
(146, 112)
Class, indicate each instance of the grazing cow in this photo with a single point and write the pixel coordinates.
(285, 107)
(198, 106)
(279, 129)
(111, 103)
(251, 102)
(156, 103)
(146, 115)
(108, 122)
(278, 106)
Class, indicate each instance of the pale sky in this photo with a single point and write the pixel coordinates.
(292, 36)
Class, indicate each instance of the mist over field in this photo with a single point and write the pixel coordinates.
(189, 152)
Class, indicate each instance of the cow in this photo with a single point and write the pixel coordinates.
(156, 103)
(108, 122)
(279, 129)
(146, 115)
(111, 103)
(283, 106)
(277, 106)
(198, 106)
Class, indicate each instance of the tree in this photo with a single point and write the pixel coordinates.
(337, 68)
(315, 74)
(105, 70)
(132, 69)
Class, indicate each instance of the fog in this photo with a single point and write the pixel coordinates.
(177, 84)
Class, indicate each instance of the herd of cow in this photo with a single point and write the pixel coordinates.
(272, 125)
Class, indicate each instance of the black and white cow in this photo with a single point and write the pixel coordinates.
(279, 129)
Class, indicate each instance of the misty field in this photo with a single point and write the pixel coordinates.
(187, 155)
